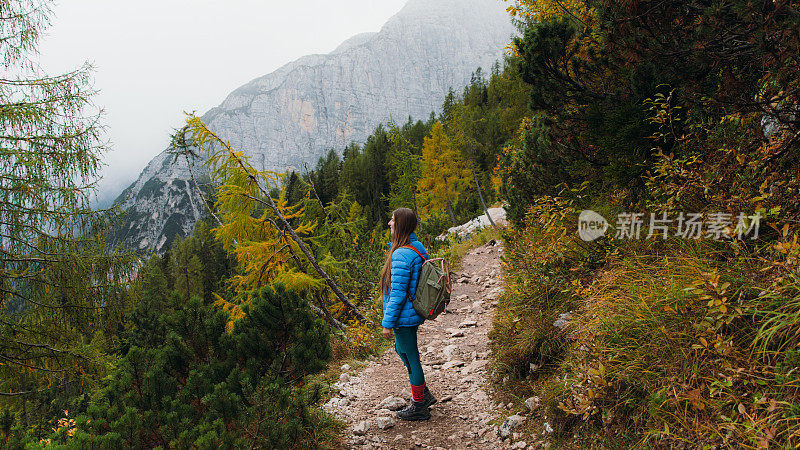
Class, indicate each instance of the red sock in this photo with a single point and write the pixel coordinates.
(418, 392)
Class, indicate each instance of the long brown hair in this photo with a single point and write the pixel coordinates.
(405, 222)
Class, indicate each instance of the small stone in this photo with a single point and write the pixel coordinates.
(392, 403)
(344, 378)
(345, 367)
(449, 350)
(477, 280)
(562, 321)
(454, 363)
(480, 396)
(455, 333)
(547, 427)
(474, 365)
(399, 437)
(468, 323)
(359, 440)
(511, 422)
(532, 403)
(520, 444)
(446, 398)
(510, 405)
(361, 428)
(384, 423)
(469, 379)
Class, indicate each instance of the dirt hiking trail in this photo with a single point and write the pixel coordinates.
(455, 359)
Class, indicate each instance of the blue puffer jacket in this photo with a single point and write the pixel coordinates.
(406, 266)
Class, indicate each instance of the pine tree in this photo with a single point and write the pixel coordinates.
(462, 129)
(403, 166)
(194, 384)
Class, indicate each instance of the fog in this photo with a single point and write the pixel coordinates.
(153, 60)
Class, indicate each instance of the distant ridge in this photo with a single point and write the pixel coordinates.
(295, 114)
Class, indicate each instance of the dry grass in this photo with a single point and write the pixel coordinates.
(672, 343)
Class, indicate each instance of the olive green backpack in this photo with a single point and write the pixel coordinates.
(433, 289)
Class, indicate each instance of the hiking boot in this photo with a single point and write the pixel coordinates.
(429, 399)
(415, 411)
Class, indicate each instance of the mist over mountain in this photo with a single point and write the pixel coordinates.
(289, 118)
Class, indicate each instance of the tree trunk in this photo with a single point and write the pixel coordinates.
(314, 189)
(327, 314)
(480, 191)
(450, 211)
(449, 205)
(322, 310)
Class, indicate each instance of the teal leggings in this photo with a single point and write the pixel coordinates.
(405, 343)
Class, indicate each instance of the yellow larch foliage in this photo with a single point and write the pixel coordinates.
(249, 228)
(444, 174)
(576, 10)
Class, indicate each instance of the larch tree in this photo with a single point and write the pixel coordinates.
(59, 291)
(265, 233)
(444, 174)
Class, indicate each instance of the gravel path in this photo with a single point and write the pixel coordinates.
(455, 357)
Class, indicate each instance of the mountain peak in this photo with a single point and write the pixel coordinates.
(289, 118)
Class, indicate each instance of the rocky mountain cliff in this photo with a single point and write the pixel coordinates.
(292, 116)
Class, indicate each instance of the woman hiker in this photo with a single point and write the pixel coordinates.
(398, 284)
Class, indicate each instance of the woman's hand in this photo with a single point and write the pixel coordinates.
(387, 333)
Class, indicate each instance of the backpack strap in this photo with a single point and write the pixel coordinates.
(408, 294)
(415, 249)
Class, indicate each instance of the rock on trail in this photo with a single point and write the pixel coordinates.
(455, 358)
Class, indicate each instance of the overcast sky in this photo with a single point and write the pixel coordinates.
(155, 59)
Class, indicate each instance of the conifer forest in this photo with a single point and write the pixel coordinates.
(674, 123)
